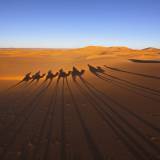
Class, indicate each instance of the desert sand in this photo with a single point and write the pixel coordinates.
(110, 112)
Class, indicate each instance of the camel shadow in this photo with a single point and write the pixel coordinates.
(76, 73)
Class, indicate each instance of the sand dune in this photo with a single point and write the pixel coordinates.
(108, 109)
(16, 62)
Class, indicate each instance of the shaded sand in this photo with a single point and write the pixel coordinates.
(113, 114)
(144, 61)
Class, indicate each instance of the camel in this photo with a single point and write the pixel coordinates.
(100, 69)
(95, 70)
(63, 74)
(27, 77)
(50, 75)
(76, 72)
(40, 76)
(37, 76)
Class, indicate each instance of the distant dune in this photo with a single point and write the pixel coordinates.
(89, 50)
(151, 49)
(15, 62)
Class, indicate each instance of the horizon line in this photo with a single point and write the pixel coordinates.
(58, 48)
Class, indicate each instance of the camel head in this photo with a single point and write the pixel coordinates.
(43, 75)
(69, 72)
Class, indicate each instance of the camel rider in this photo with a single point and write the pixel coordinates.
(27, 77)
(36, 75)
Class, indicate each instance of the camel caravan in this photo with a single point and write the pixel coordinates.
(50, 75)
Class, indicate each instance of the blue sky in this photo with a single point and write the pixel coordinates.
(77, 23)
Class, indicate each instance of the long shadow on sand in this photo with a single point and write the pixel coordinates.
(91, 143)
(102, 95)
(133, 73)
(137, 149)
(130, 86)
(28, 109)
(50, 111)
